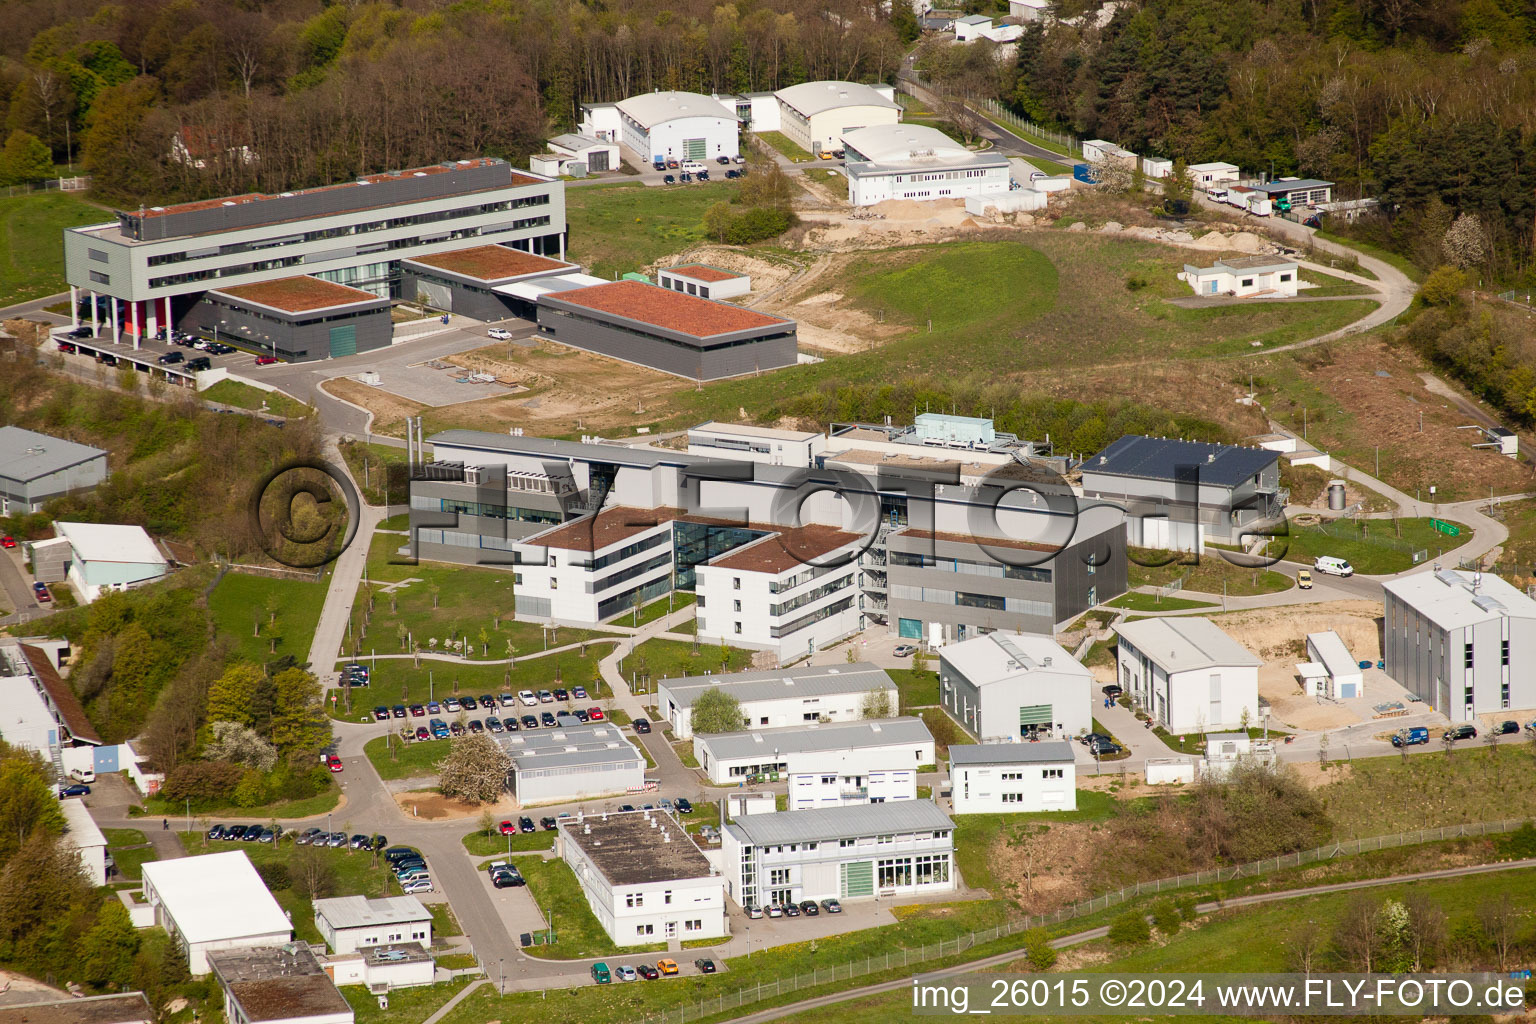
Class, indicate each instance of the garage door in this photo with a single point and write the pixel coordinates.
(343, 341)
(1036, 714)
(597, 160)
(910, 629)
(696, 149)
(858, 878)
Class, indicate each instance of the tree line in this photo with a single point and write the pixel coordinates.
(169, 98)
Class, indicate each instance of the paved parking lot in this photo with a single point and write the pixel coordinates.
(431, 386)
(151, 351)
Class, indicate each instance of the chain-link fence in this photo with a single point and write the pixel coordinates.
(904, 958)
(1002, 115)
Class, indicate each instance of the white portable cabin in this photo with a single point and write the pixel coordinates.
(1345, 680)
(1156, 167)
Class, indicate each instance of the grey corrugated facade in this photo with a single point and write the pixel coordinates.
(725, 355)
(1432, 662)
(450, 292)
(293, 337)
(477, 523)
(37, 467)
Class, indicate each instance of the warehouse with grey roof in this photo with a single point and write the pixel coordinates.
(780, 698)
(37, 467)
(579, 762)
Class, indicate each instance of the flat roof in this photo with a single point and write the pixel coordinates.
(361, 912)
(666, 309)
(302, 294)
(703, 272)
(1043, 752)
(492, 263)
(636, 847)
(623, 455)
(1282, 185)
(604, 529)
(127, 1008)
(999, 656)
(905, 144)
(1452, 599)
(785, 683)
(1256, 262)
(748, 430)
(60, 695)
(1333, 653)
(277, 982)
(26, 455)
(652, 108)
(786, 549)
(216, 896)
(817, 737)
(83, 831)
(110, 542)
(849, 822)
(966, 538)
(576, 746)
(1185, 643)
(1166, 458)
(812, 98)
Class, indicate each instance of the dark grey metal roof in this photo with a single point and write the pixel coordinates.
(27, 455)
(573, 747)
(1165, 458)
(852, 822)
(360, 911)
(817, 737)
(774, 684)
(1044, 752)
(546, 446)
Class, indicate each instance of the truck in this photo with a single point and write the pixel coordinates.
(1410, 737)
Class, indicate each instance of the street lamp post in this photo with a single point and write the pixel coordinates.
(501, 974)
(189, 815)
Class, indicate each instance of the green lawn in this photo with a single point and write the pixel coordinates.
(481, 845)
(406, 1005)
(785, 145)
(1049, 166)
(1210, 573)
(1371, 546)
(241, 606)
(1382, 795)
(444, 603)
(1328, 284)
(130, 851)
(577, 932)
(444, 924)
(619, 229)
(32, 242)
(917, 689)
(1401, 263)
(244, 396)
(836, 181)
(399, 760)
(667, 659)
(676, 601)
(160, 807)
(1139, 602)
(398, 682)
(375, 467)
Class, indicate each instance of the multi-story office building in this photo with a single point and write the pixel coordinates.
(939, 532)
(149, 268)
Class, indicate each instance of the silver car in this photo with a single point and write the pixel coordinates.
(337, 839)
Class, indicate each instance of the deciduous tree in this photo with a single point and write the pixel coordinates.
(715, 711)
(475, 769)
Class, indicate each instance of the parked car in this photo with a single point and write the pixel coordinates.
(581, 716)
(395, 853)
(455, 728)
(754, 912)
(1333, 566)
(334, 764)
(548, 824)
(525, 824)
(600, 974)
(648, 972)
(774, 910)
(579, 692)
(475, 725)
(546, 697)
(529, 722)
(1508, 726)
(75, 789)
(724, 161)
(7, 541)
(626, 973)
(217, 832)
(790, 910)
(685, 177)
(1303, 579)
(505, 880)
(306, 837)
(170, 358)
(234, 833)
(684, 806)
(265, 360)
(666, 966)
(1113, 691)
(739, 159)
(509, 723)
(1090, 738)
(40, 591)
(422, 733)
(527, 698)
(434, 708)
(547, 720)
(398, 711)
(418, 885)
(494, 724)
(831, 906)
(809, 908)
(626, 807)
(904, 650)
(733, 173)
(68, 348)
(1104, 748)
(702, 175)
(200, 363)
(1465, 731)
(669, 180)
(359, 842)
(596, 714)
(642, 725)
(562, 694)
(252, 834)
(452, 705)
(705, 965)
(499, 333)
(671, 165)
(381, 714)
(81, 332)
(417, 711)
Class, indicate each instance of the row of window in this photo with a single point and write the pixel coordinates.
(790, 628)
(810, 596)
(930, 595)
(903, 872)
(511, 513)
(625, 575)
(971, 567)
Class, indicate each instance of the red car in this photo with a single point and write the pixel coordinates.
(265, 360)
(40, 591)
(508, 829)
(7, 542)
(596, 714)
(333, 763)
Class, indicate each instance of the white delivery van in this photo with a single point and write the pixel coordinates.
(83, 775)
(1333, 566)
(693, 166)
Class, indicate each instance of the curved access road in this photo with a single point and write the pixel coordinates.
(1088, 935)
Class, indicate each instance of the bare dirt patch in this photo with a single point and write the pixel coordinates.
(389, 410)
(436, 807)
(1063, 856)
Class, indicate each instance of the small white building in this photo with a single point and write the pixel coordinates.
(283, 984)
(1170, 771)
(644, 878)
(1097, 150)
(1206, 175)
(792, 592)
(815, 115)
(1245, 277)
(597, 155)
(704, 281)
(106, 557)
(971, 27)
(1156, 167)
(1029, 10)
(666, 126)
(347, 923)
(1019, 200)
(991, 778)
(1188, 674)
(756, 111)
(854, 748)
(1344, 679)
(579, 762)
(843, 853)
(214, 902)
(780, 698)
(1224, 751)
(1005, 686)
(379, 968)
(913, 161)
(838, 780)
(82, 835)
(744, 442)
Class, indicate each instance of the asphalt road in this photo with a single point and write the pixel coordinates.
(1001, 138)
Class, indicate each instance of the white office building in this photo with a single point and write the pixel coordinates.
(853, 748)
(913, 161)
(348, 923)
(214, 902)
(771, 446)
(1188, 674)
(1006, 686)
(666, 126)
(572, 762)
(816, 115)
(780, 698)
(991, 778)
(843, 853)
(644, 878)
(840, 780)
(1211, 175)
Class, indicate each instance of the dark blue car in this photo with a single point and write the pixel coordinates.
(77, 789)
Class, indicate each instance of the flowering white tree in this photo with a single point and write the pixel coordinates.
(1466, 243)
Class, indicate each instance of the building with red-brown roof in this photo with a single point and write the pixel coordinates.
(295, 318)
(488, 282)
(670, 331)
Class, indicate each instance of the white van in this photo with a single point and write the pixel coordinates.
(1333, 566)
(693, 166)
(83, 775)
